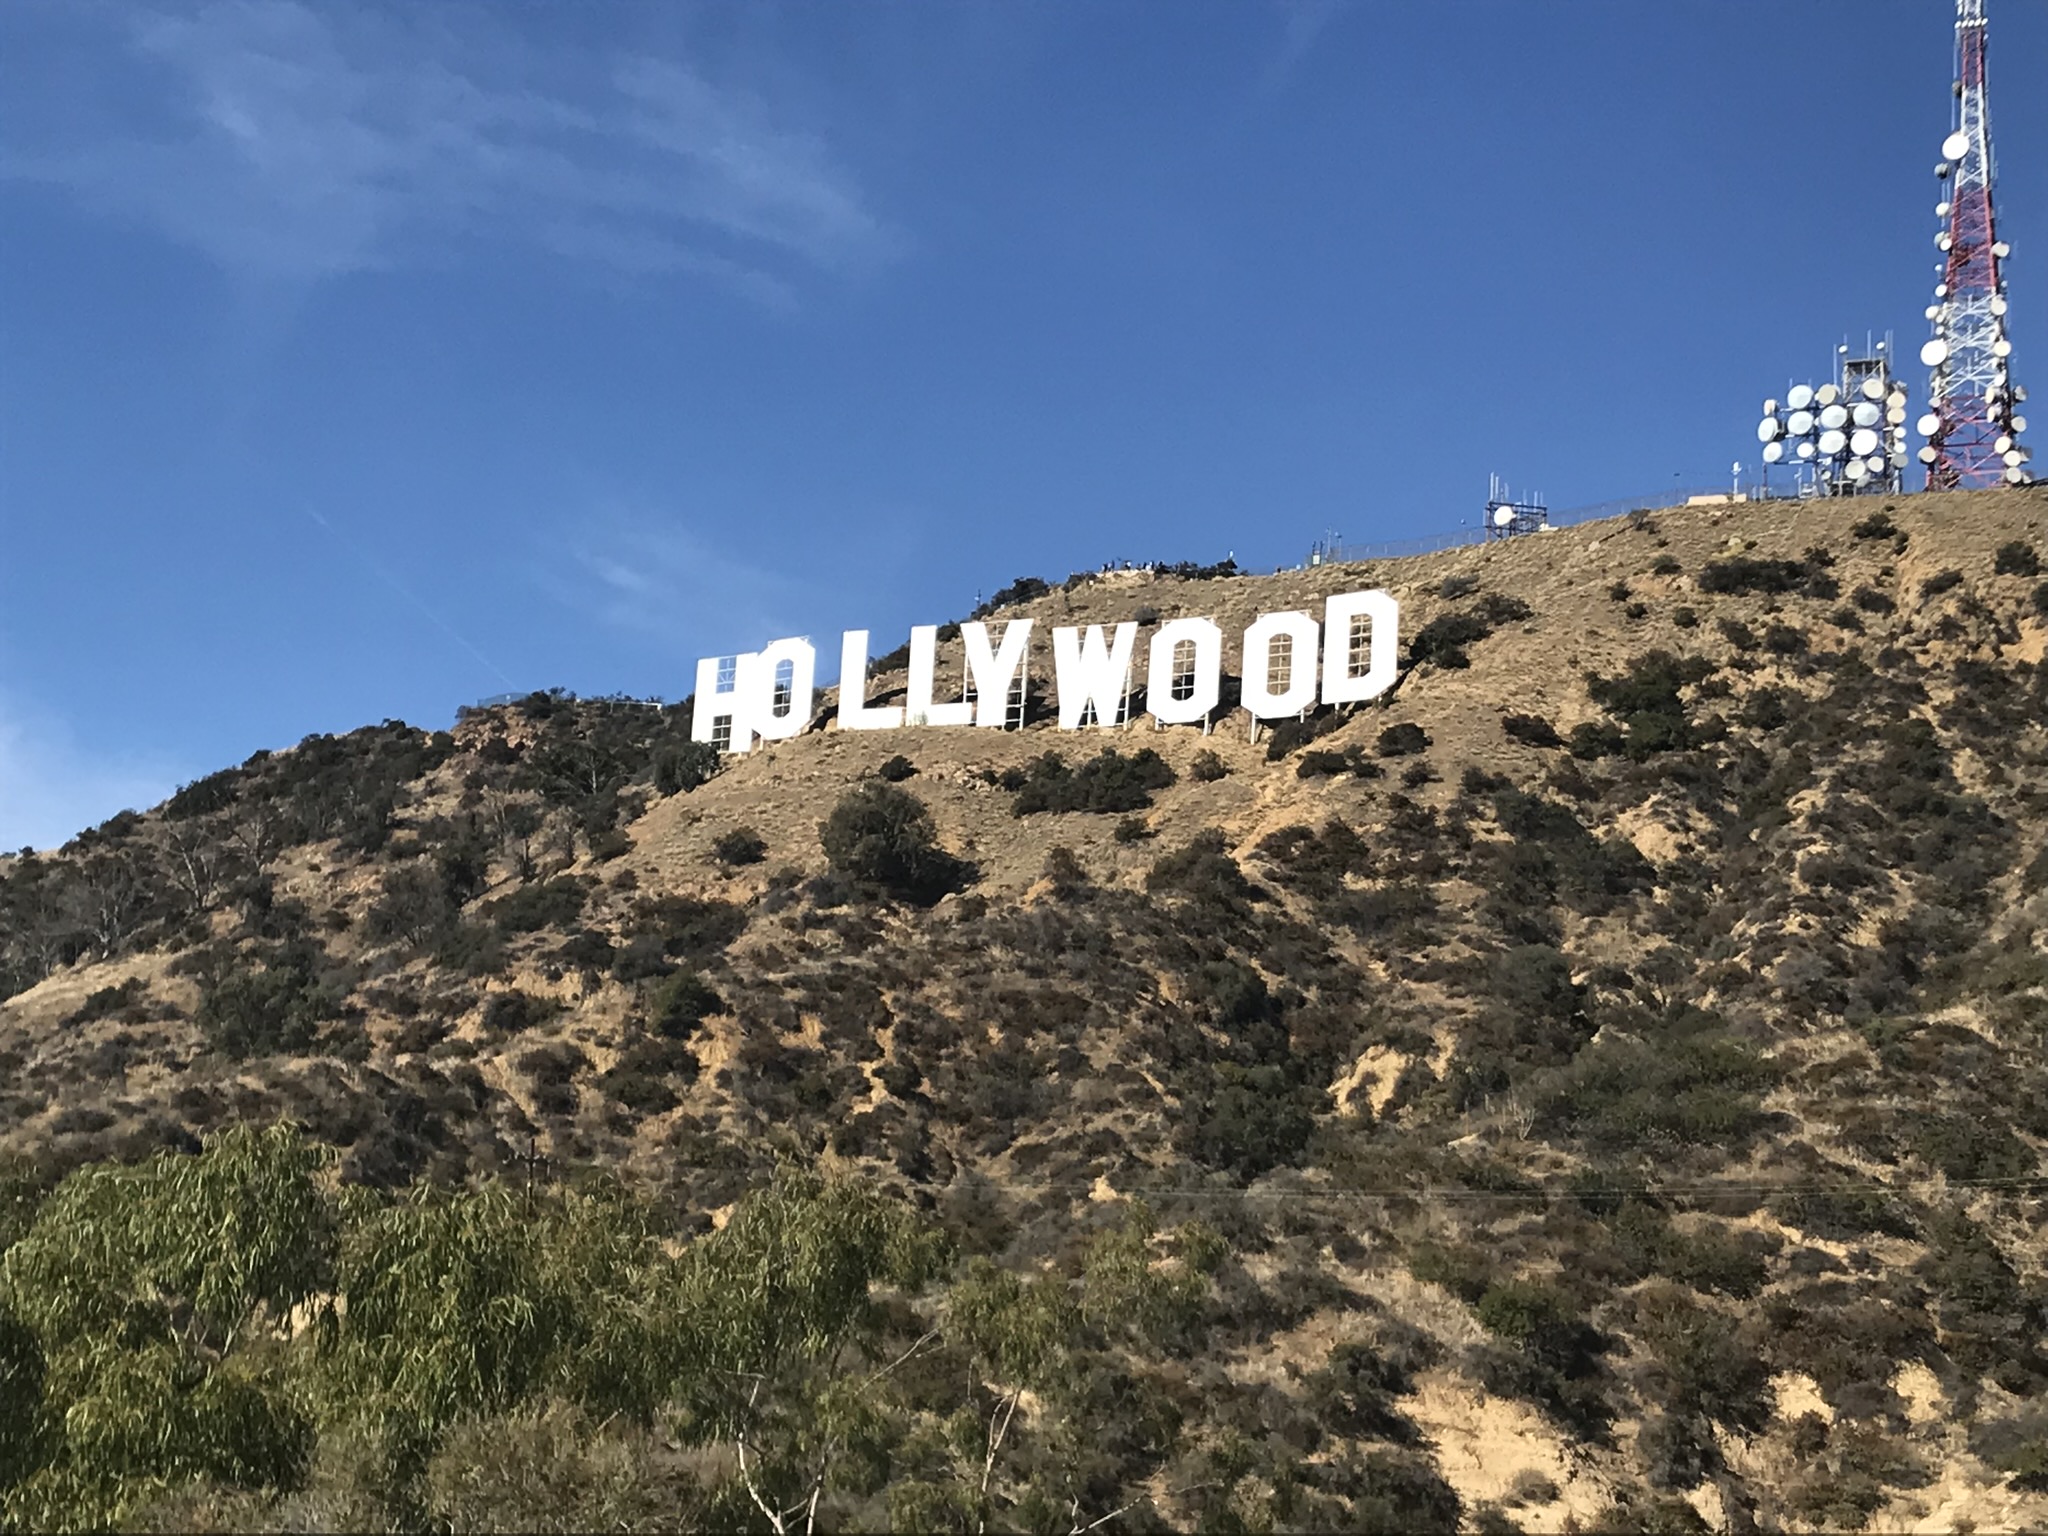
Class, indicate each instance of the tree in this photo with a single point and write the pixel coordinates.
(198, 860)
(1049, 1335)
(883, 837)
(781, 1337)
(139, 1289)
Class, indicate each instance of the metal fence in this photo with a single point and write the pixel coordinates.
(1672, 498)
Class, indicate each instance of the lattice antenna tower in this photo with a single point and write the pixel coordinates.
(1507, 516)
(1844, 438)
(1971, 426)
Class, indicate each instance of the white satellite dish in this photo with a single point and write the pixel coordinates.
(1863, 442)
(2015, 476)
(1800, 398)
(2001, 348)
(1941, 210)
(1827, 394)
(2000, 249)
(1935, 353)
(1873, 387)
(1800, 423)
(1773, 452)
(1942, 241)
(1876, 462)
(1998, 305)
(1866, 414)
(1806, 450)
(1941, 290)
(1931, 311)
(1832, 443)
(1767, 429)
(1929, 454)
(1955, 146)
(2002, 445)
(1856, 469)
(1770, 407)
(2019, 423)
(1895, 417)
(1502, 516)
(1928, 424)
(1899, 459)
(1833, 416)
(2018, 393)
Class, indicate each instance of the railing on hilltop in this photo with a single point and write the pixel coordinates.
(1670, 500)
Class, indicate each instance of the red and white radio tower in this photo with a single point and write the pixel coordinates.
(1971, 428)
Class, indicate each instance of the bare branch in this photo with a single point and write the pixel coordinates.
(900, 1359)
(739, 1441)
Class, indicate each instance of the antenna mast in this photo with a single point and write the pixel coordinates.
(1970, 425)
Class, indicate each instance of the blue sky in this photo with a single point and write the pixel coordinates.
(360, 361)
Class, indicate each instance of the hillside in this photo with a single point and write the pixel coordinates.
(1627, 1032)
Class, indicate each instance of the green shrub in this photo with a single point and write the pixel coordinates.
(1444, 638)
(1740, 574)
(882, 837)
(2017, 558)
(1247, 1121)
(685, 766)
(1403, 740)
(1203, 869)
(1706, 1369)
(274, 1008)
(1697, 1090)
(1531, 730)
(1023, 590)
(679, 1004)
(1206, 767)
(644, 1077)
(1644, 702)
(512, 1011)
(742, 845)
(1465, 1272)
(896, 769)
(1878, 525)
(1108, 782)
(126, 1000)
(1969, 1147)
(1322, 764)
(1737, 634)
(1784, 640)
(556, 903)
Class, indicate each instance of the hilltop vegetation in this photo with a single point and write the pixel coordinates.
(1600, 1081)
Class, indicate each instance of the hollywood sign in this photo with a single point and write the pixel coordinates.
(1291, 662)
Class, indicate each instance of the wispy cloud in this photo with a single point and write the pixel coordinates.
(292, 142)
(51, 788)
(1302, 23)
(658, 581)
